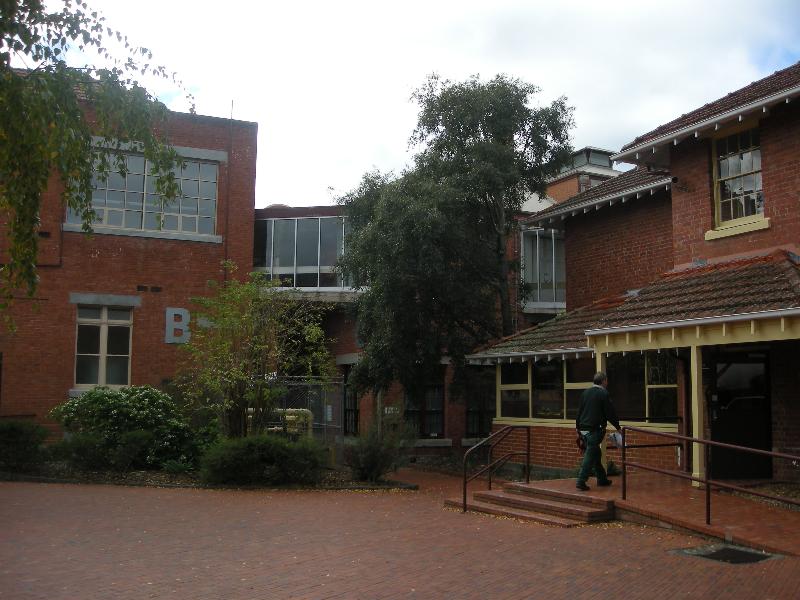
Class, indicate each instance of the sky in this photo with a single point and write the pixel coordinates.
(330, 83)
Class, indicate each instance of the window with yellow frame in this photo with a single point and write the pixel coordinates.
(547, 388)
(514, 385)
(737, 177)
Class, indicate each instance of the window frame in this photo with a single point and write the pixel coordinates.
(283, 273)
(171, 208)
(530, 264)
(739, 222)
(501, 387)
(104, 323)
(424, 413)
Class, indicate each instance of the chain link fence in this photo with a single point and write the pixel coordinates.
(324, 398)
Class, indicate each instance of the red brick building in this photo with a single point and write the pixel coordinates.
(112, 307)
(683, 284)
(300, 246)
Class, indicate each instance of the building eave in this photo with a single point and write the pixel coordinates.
(597, 203)
(718, 319)
(640, 152)
(510, 357)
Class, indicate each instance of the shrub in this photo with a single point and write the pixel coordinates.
(83, 450)
(132, 449)
(263, 459)
(113, 415)
(176, 467)
(303, 462)
(21, 445)
(376, 453)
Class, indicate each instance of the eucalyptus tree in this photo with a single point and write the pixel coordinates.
(425, 283)
(486, 141)
(65, 119)
(428, 248)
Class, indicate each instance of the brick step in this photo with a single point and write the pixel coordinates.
(575, 496)
(505, 511)
(559, 507)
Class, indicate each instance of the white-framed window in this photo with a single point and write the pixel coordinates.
(737, 177)
(131, 201)
(103, 346)
(300, 252)
(544, 268)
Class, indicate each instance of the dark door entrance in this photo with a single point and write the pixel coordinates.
(739, 412)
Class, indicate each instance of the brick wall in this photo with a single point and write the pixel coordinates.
(563, 189)
(617, 248)
(693, 198)
(39, 357)
(785, 408)
(555, 447)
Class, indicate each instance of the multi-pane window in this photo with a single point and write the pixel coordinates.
(644, 386)
(131, 200)
(515, 390)
(424, 412)
(300, 252)
(737, 172)
(546, 388)
(544, 266)
(103, 346)
(480, 402)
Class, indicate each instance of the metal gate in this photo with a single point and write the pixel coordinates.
(323, 397)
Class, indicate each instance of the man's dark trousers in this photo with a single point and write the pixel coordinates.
(592, 458)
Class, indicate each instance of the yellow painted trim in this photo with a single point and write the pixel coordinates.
(698, 412)
(744, 225)
(570, 424)
(736, 332)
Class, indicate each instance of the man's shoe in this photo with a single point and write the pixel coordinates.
(604, 483)
(582, 486)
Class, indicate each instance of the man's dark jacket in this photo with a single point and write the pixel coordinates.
(595, 410)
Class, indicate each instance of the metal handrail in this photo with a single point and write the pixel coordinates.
(706, 480)
(492, 441)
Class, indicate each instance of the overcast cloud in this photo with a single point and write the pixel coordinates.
(329, 82)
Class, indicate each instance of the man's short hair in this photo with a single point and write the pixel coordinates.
(599, 378)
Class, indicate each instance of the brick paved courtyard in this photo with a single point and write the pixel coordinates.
(86, 542)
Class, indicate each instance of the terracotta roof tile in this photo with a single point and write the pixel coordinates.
(751, 285)
(564, 332)
(763, 88)
(636, 178)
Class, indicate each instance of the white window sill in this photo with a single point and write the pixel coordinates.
(162, 235)
(433, 443)
(470, 442)
(724, 231)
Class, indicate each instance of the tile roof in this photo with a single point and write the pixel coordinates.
(739, 287)
(565, 332)
(761, 89)
(628, 182)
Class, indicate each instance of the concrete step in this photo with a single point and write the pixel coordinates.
(559, 507)
(513, 513)
(573, 496)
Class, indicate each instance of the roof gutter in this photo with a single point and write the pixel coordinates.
(695, 128)
(751, 316)
(482, 358)
(598, 202)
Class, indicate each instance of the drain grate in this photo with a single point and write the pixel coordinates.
(728, 554)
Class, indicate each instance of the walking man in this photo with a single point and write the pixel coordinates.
(595, 411)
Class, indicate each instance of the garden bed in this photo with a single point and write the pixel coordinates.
(332, 479)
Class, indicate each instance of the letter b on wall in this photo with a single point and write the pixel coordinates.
(177, 330)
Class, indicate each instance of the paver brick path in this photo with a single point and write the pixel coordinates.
(86, 542)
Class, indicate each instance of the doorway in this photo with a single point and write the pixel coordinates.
(739, 408)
